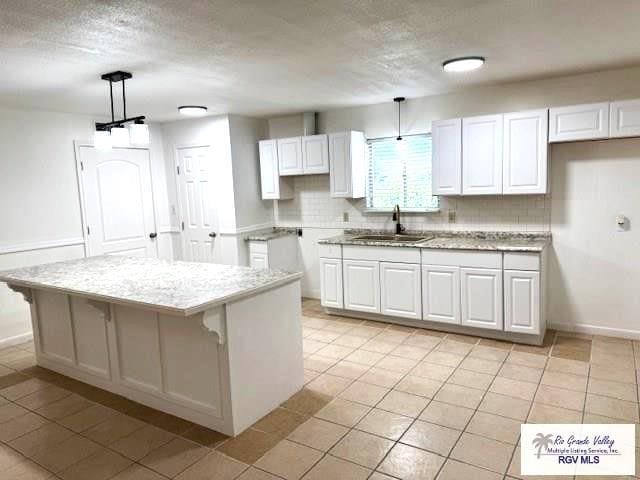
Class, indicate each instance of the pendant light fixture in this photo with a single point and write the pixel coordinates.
(120, 133)
(399, 100)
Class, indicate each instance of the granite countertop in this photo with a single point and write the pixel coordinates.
(182, 288)
(266, 235)
(463, 240)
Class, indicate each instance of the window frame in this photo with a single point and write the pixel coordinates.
(410, 211)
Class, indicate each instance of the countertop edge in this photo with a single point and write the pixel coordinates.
(184, 312)
(423, 246)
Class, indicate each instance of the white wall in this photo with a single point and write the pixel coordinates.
(40, 214)
(251, 211)
(594, 269)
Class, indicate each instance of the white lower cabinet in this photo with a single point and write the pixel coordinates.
(481, 295)
(331, 283)
(361, 285)
(400, 290)
(258, 260)
(522, 301)
(441, 293)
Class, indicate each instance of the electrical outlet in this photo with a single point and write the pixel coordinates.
(452, 216)
(345, 216)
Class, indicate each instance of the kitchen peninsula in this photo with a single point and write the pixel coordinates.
(218, 345)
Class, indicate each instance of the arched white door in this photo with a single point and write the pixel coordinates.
(118, 202)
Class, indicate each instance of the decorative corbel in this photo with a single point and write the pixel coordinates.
(26, 292)
(102, 307)
(213, 321)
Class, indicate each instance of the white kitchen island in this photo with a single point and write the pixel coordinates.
(218, 345)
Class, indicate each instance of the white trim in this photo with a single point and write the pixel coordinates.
(595, 330)
(31, 246)
(168, 229)
(15, 340)
(249, 228)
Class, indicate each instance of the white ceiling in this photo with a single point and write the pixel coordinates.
(266, 57)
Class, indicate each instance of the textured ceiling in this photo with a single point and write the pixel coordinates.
(265, 57)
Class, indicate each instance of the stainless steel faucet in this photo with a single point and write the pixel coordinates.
(396, 218)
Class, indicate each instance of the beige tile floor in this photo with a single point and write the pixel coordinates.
(380, 402)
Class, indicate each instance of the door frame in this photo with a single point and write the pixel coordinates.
(176, 164)
(77, 145)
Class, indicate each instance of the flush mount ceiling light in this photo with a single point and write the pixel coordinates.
(116, 132)
(463, 64)
(192, 110)
(399, 100)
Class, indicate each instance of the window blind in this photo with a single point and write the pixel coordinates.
(400, 173)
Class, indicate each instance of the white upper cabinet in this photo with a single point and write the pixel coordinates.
(624, 119)
(482, 155)
(524, 152)
(447, 156)
(579, 122)
(315, 154)
(348, 164)
(273, 187)
(290, 156)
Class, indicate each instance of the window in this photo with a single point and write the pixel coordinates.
(400, 173)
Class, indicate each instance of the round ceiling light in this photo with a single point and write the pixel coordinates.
(463, 64)
(192, 110)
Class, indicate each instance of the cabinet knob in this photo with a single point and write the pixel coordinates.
(213, 234)
(153, 235)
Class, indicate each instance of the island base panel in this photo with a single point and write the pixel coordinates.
(223, 369)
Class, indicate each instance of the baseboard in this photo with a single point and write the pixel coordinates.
(595, 330)
(17, 340)
(311, 293)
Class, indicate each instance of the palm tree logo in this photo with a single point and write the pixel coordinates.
(541, 441)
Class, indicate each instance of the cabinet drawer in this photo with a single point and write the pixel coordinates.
(462, 258)
(521, 261)
(382, 254)
(258, 247)
(330, 251)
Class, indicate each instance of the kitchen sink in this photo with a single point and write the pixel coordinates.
(393, 238)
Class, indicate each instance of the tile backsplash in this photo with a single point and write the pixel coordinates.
(312, 206)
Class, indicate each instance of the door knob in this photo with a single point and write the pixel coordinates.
(213, 234)
(153, 235)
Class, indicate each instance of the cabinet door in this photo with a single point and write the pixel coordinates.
(524, 152)
(522, 301)
(315, 154)
(579, 122)
(258, 260)
(331, 282)
(400, 290)
(481, 293)
(340, 161)
(447, 156)
(441, 294)
(361, 285)
(482, 155)
(624, 119)
(269, 178)
(290, 156)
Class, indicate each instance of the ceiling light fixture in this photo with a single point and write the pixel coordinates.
(399, 100)
(192, 110)
(463, 64)
(115, 132)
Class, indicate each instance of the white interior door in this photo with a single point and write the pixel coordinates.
(118, 201)
(197, 203)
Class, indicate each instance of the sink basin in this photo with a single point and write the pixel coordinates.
(393, 238)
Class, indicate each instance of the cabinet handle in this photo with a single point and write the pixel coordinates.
(153, 235)
(213, 234)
